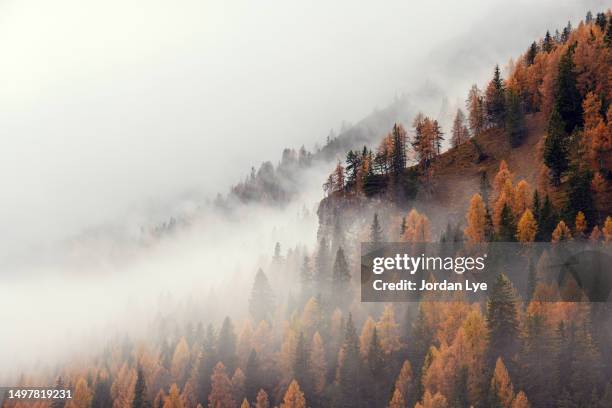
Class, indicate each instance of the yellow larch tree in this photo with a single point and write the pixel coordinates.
(561, 233)
(294, 397)
(580, 225)
(521, 401)
(522, 198)
(388, 330)
(436, 400)
(503, 175)
(476, 221)
(607, 230)
(317, 364)
(173, 399)
(180, 361)
(397, 400)
(595, 234)
(501, 386)
(527, 227)
(81, 396)
(262, 400)
(366, 336)
(245, 404)
(221, 395)
(245, 343)
(404, 383)
(311, 317)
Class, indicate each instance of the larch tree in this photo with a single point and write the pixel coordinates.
(173, 400)
(561, 233)
(397, 400)
(520, 401)
(261, 302)
(366, 336)
(476, 221)
(245, 404)
(607, 230)
(526, 228)
(238, 385)
(522, 198)
(580, 225)
(388, 330)
(502, 390)
(82, 396)
(180, 361)
(404, 384)
(460, 132)
(502, 176)
(262, 400)
(294, 397)
(317, 365)
(221, 395)
(436, 400)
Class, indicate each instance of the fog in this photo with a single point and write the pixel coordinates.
(117, 114)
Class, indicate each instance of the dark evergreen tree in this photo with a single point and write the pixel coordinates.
(261, 303)
(421, 337)
(102, 394)
(568, 101)
(323, 266)
(531, 54)
(252, 376)
(495, 100)
(546, 222)
(556, 147)
(341, 279)
(300, 366)
(502, 321)
(601, 21)
(306, 280)
(460, 387)
(515, 119)
(507, 226)
(140, 391)
(226, 345)
(403, 226)
(376, 232)
(537, 358)
(547, 43)
(567, 30)
(580, 196)
(376, 394)
(207, 360)
(589, 17)
(348, 395)
(57, 402)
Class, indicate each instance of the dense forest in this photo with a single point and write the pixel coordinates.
(310, 342)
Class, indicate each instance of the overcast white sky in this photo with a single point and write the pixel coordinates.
(106, 106)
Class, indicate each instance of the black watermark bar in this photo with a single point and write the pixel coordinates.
(573, 271)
